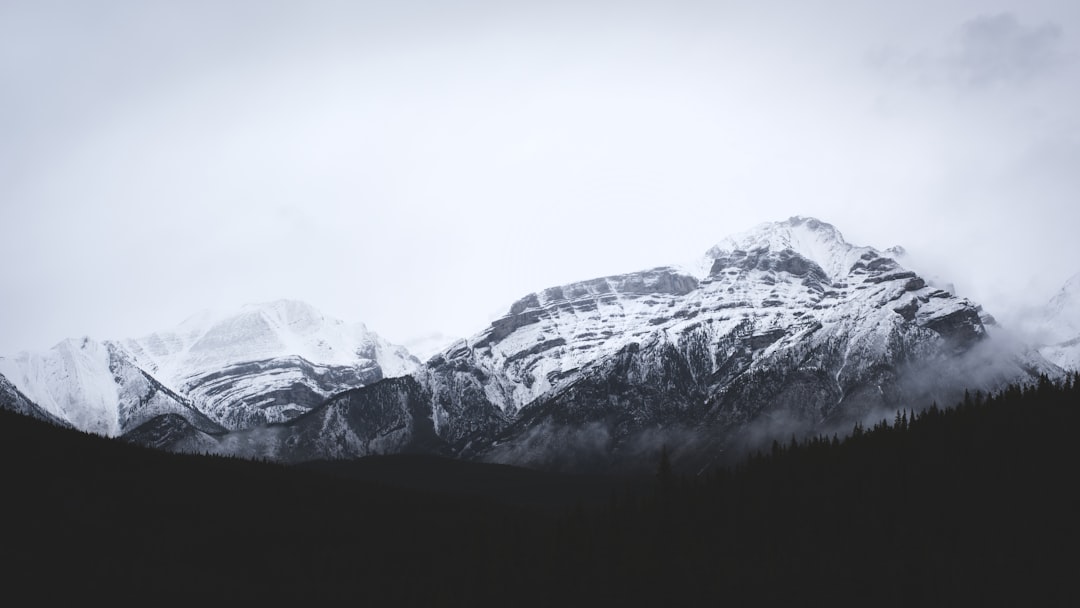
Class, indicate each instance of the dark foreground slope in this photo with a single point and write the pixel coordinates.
(85, 517)
(972, 506)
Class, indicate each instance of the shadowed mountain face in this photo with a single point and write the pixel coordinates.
(784, 329)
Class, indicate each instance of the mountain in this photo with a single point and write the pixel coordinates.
(267, 362)
(1059, 327)
(13, 400)
(94, 386)
(388, 417)
(215, 372)
(783, 329)
(969, 505)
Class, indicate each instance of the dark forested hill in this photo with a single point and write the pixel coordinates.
(967, 505)
(974, 505)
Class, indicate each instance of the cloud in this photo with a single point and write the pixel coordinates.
(986, 51)
(460, 154)
(999, 49)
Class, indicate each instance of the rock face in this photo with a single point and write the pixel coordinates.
(391, 416)
(784, 329)
(790, 329)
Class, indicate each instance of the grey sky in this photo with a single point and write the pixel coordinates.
(419, 165)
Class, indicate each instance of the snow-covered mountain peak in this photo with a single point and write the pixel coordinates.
(1063, 311)
(256, 332)
(268, 361)
(795, 284)
(1068, 299)
(71, 345)
(256, 364)
(814, 240)
(74, 381)
(298, 316)
(1058, 328)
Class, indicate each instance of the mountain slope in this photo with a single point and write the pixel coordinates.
(389, 417)
(268, 362)
(13, 400)
(1060, 326)
(94, 386)
(265, 363)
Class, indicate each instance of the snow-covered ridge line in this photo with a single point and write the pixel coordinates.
(786, 328)
(780, 279)
(212, 364)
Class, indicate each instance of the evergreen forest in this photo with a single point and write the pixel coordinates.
(973, 503)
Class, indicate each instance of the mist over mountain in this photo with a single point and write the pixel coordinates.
(540, 303)
(784, 329)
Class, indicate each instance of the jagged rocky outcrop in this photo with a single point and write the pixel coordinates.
(784, 329)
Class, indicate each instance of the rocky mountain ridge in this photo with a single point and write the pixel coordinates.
(218, 372)
(783, 329)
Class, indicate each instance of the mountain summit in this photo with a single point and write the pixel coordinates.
(811, 239)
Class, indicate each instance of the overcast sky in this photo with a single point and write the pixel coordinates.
(419, 165)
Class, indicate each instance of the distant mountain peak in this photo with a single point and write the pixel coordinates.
(291, 312)
(257, 363)
(259, 331)
(785, 232)
(267, 361)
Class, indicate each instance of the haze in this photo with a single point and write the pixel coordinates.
(418, 166)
